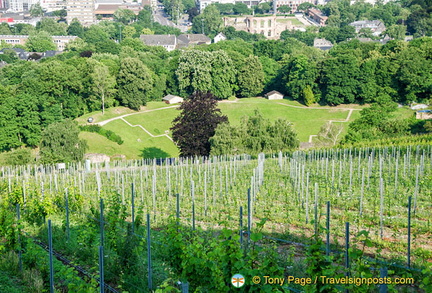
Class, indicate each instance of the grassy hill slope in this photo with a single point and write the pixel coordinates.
(306, 121)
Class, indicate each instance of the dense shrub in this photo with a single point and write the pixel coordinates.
(107, 133)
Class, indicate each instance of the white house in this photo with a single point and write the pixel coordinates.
(274, 95)
(219, 37)
(171, 99)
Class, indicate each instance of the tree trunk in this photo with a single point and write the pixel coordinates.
(103, 104)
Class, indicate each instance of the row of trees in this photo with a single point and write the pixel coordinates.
(33, 95)
(412, 16)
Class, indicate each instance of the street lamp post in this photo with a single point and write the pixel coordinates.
(202, 25)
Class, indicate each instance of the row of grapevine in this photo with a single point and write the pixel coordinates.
(290, 193)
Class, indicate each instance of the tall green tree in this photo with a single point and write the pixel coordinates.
(52, 27)
(40, 42)
(250, 77)
(8, 123)
(134, 83)
(194, 71)
(196, 124)
(75, 28)
(145, 16)
(208, 22)
(414, 78)
(103, 84)
(223, 75)
(124, 16)
(339, 80)
(206, 71)
(28, 119)
(300, 72)
(60, 143)
(284, 9)
(36, 10)
(241, 8)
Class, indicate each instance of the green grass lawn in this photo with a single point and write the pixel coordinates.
(156, 122)
(117, 111)
(306, 121)
(293, 20)
(136, 141)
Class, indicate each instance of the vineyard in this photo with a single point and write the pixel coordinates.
(189, 225)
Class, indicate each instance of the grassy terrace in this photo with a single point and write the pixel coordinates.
(293, 20)
(306, 121)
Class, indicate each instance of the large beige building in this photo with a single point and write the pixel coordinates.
(270, 26)
(82, 10)
(52, 5)
(20, 5)
(60, 41)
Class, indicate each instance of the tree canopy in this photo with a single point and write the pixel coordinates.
(196, 124)
(60, 143)
(254, 135)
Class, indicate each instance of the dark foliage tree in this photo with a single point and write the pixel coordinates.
(75, 29)
(196, 124)
(192, 12)
(60, 143)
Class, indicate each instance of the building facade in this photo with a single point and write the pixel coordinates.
(52, 5)
(269, 26)
(202, 4)
(20, 5)
(82, 10)
(172, 42)
(293, 4)
(60, 41)
(376, 26)
(317, 16)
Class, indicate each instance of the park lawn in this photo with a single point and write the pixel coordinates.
(156, 122)
(109, 113)
(306, 121)
(118, 111)
(293, 20)
(136, 141)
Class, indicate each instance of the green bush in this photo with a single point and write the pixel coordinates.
(19, 157)
(107, 133)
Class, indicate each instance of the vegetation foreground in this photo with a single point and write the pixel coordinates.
(194, 208)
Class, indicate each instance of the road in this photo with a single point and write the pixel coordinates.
(161, 17)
